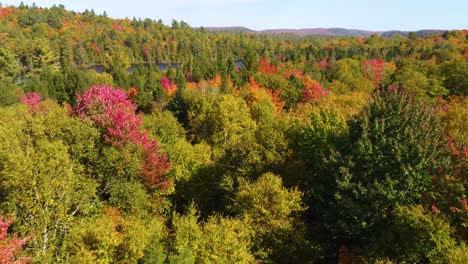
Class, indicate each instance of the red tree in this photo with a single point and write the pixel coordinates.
(373, 70)
(10, 246)
(266, 67)
(31, 100)
(313, 91)
(112, 111)
(322, 64)
(168, 85)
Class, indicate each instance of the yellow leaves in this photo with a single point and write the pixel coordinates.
(455, 118)
(308, 81)
(345, 105)
(256, 94)
(41, 171)
(112, 238)
(218, 240)
(267, 201)
(191, 85)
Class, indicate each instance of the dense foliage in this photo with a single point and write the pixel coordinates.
(129, 141)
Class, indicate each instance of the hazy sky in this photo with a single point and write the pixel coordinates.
(265, 14)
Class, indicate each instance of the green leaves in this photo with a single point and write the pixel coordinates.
(267, 202)
(218, 240)
(380, 163)
(44, 178)
(414, 234)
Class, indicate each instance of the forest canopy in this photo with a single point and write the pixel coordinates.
(129, 141)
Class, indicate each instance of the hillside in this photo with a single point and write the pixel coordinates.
(342, 32)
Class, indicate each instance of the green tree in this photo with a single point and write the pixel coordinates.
(415, 236)
(42, 58)
(272, 211)
(117, 63)
(9, 64)
(218, 240)
(348, 71)
(8, 92)
(113, 237)
(455, 73)
(417, 82)
(43, 173)
(383, 162)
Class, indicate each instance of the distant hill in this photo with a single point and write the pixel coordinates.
(343, 32)
(322, 31)
(419, 33)
(229, 29)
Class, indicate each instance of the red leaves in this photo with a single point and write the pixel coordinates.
(313, 91)
(296, 72)
(266, 67)
(442, 104)
(4, 12)
(109, 108)
(168, 85)
(322, 65)
(31, 100)
(117, 27)
(457, 150)
(112, 111)
(464, 204)
(373, 70)
(95, 48)
(155, 164)
(280, 58)
(10, 246)
(257, 93)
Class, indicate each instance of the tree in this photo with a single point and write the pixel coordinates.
(10, 246)
(383, 162)
(272, 211)
(114, 237)
(220, 240)
(44, 173)
(455, 73)
(8, 93)
(427, 237)
(9, 64)
(373, 70)
(117, 63)
(314, 141)
(313, 91)
(229, 129)
(417, 82)
(114, 114)
(348, 71)
(267, 202)
(42, 58)
(250, 62)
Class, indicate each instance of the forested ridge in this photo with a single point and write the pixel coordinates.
(130, 141)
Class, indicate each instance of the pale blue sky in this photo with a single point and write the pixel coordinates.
(266, 14)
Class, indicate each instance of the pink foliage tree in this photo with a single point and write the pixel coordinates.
(10, 246)
(312, 92)
(322, 64)
(117, 27)
(31, 100)
(114, 113)
(168, 85)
